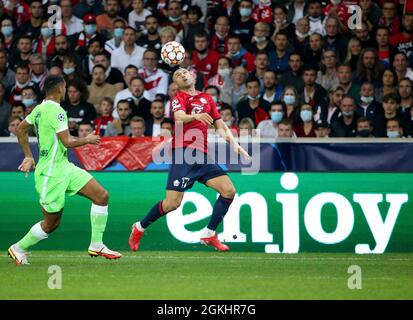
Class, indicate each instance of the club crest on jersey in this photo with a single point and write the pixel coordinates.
(203, 100)
(175, 104)
(61, 117)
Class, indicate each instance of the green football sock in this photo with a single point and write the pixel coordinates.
(98, 219)
(34, 235)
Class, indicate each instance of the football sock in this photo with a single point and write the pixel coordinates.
(154, 214)
(139, 226)
(98, 219)
(34, 235)
(221, 207)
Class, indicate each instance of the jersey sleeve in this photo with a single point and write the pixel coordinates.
(30, 117)
(214, 111)
(58, 120)
(177, 104)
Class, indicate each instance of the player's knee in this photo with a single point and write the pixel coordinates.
(229, 192)
(171, 205)
(103, 198)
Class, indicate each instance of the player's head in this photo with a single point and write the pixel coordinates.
(184, 79)
(55, 86)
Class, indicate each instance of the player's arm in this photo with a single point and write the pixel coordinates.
(226, 133)
(181, 116)
(22, 133)
(70, 141)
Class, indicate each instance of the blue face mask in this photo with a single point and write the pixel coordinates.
(366, 99)
(348, 113)
(276, 116)
(289, 100)
(90, 29)
(393, 134)
(46, 32)
(7, 30)
(253, 98)
(28, 102)
(68, 71)
(245, 12)
(215, 99)
(118, 32)
(306, 115)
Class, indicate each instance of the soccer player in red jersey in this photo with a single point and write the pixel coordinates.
(194, 112)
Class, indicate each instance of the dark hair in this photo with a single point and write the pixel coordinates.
(283, 8)
(18, 105)
(151, 16)
(81, 86)
(124, 101)
(130, 66)
(252, 78)
(195, 9)
(153, 51)
(168, 120)
(202, 34)
(213, 87)
(98, 66)
(283, 105)
(226, 106)
(23, 65)
(103, 53)
(364, 119)
(393, 73)
(52, 82)
(391, 96)
(286, 122)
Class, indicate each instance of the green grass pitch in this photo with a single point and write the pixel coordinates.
(208, 275)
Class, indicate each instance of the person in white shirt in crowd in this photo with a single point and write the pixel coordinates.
(269, 128)
(128, 53)
(119, 26)
(136, 93)
(156, 80)
(239, 89)
(172, 90)
(72, 24)
(137, 127)
(153, 125)
(38, 70)
(222, 80)
(137, 16)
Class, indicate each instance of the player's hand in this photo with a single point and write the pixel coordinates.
(205, 118)
(27, 164)
(93, 139)
(240, 150)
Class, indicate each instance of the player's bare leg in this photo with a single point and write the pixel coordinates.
(98, 218)
(223, 185)
(40, 231)
(171, 202)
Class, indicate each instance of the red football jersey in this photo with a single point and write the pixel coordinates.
(194, 133)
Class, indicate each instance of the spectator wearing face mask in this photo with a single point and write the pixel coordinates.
(29, 98)
(368, 107)
(302, 35)
(222, 80)
(90, 33)
(241, 23)
(269, 128)
(253, 107)
(45, 43)
(316, 17)
(238, 55)
(261, 39)
(391, 107)
(394, 129)
(305, 126)
(282, 23)
(228, 116)
(214, 92)
(115, 41)
(364, 128)
(290, 98)
(345, 125)
(174, 15)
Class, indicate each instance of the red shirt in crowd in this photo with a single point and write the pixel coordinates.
(207, 66)
(193, 134)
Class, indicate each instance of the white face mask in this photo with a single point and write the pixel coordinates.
(259, 39)
(224, 72)
(301, 35)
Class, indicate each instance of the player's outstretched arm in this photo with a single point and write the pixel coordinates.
(22, 133)
(226, 133)
(181, 116)
(70, 141)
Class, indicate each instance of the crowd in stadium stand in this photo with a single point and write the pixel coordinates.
(300, 68)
